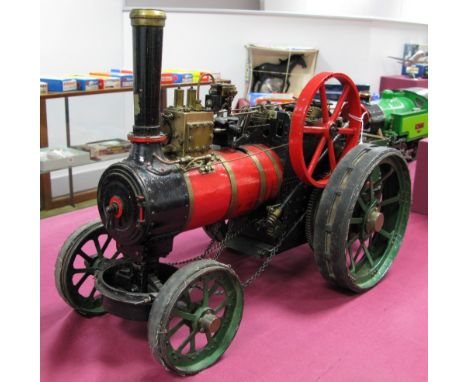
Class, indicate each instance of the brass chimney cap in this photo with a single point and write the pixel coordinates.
(148, 17)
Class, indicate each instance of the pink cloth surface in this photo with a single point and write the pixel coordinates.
(295, 326)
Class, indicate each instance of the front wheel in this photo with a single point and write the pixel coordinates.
(85, 251)
(362, 217)
(195, 316)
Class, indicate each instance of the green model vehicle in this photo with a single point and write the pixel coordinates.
(398, 119)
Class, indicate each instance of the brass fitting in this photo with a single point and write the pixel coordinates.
(148, 17)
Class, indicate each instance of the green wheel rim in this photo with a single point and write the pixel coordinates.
(210, 297)
(378, 222)
(85, 251)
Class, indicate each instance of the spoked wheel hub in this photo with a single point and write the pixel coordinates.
(208, 321)
(374, 221)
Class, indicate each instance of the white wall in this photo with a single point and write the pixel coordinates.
(356, 47)
(409, 10)
(89, 35)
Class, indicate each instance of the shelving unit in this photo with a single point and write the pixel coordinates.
(47, 201)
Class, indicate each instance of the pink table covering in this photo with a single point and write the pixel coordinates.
(295, 326)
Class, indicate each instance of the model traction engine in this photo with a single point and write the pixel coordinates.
(260, 181)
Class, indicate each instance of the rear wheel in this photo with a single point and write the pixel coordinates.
(362, 217)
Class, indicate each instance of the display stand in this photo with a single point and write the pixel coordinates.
(47, 201)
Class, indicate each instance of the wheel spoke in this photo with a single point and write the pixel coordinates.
(315, 157)
(352, 240)
(220, 306)
(91, 295)
(115, 255)
(81, 281)
(106, 243)
(357, 252)
(362, 204)
(98, 247)
(192, 345)
(356, 221)
(175, 328)
(206, 291)
(314, 129)
(213, 289)
(339, 104)
(371, 191)
(386, 202)
(183, 314)
(88, 270)
(324, 102)
(185, 342)
(386, 234)
(208, 336)
(345, 131)
(368, 254)
(186, 297)
(385, 177)
(331, 154)
(351, 259)
(88, 258)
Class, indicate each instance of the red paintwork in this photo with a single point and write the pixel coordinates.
(212, 192)
(150, 139)
(305, 170)
(116, 200)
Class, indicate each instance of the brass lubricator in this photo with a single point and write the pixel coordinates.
(191, 97)
(179, 97)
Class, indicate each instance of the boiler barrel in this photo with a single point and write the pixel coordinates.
(242, 180)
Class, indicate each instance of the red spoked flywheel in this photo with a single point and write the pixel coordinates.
(325, 128)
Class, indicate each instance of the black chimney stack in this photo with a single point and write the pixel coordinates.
(147, 25)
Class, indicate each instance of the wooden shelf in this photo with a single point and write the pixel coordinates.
(119, 90)
(47, 202)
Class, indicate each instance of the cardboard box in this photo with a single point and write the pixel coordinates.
(44, 87)
(196, 74)
(58, 158)
(86, 83)
(107, 82)
(60, 84)
(126, 80)
(170, 77)
(276, 69)
(105, 148)
(126, 71)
